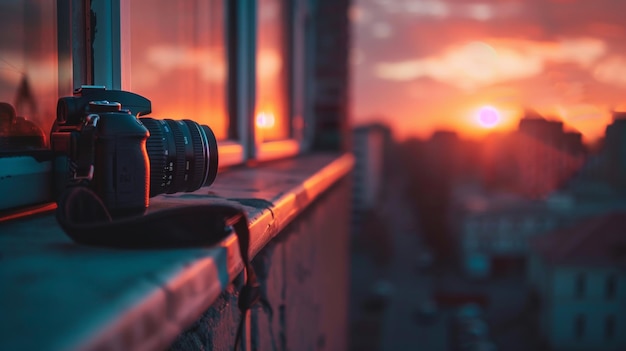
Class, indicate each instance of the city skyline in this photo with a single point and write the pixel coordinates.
(433, 64)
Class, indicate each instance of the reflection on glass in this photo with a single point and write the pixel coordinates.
(272, 120)
(178, 60)
(28, 73)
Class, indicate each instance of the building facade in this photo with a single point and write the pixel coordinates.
(579, 279)
(494, 234)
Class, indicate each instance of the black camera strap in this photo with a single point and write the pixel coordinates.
(85, 219)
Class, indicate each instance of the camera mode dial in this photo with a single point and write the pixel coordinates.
(104, 106)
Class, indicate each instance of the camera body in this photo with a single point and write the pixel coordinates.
(98, 139)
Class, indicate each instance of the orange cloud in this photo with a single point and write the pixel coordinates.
(612, 70)
(477, 64)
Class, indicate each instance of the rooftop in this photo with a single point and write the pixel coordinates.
(599, 240)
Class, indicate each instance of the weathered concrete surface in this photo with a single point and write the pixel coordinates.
(58, 295)
(304, 276)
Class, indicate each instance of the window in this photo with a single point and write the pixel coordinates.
(529, 224)
(471, 227)
(611, 286)
(471, 243)
(240, 67)
(579, 326)
(271, 112)
(505, 225)
(31, 74)
(179, 60)
(609, 327)
(580, 286)
(36, 67)
(281, 70)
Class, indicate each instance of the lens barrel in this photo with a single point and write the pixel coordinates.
(182, 153)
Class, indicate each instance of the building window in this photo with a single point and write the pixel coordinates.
(31, 74)
(580, 286)
(609, 327)
(471, 227)
(471, 243)
(272, 118)
(179, 60)
(529, 224)
(611, 287)
(580, 324)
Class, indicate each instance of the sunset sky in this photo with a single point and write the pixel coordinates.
(421, 65)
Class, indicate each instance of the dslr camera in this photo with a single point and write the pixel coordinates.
(99, 139)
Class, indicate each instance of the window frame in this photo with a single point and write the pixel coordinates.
(610, 287)
(610, 323)
(580, 285)
(106, 63)
(241, 27)
(296, 27)
(28, 172)
(580, 326)
(111, 69)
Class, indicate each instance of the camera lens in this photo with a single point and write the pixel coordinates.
(182, 153)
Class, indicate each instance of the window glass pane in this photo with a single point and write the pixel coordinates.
(28, 73)
(272, 119)
(178, 59)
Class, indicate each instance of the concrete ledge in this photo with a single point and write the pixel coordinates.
(57, 295)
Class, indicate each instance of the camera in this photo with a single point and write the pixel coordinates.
(99, 139)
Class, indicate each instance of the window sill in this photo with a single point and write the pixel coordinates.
(230, 153)
(59, 295)
(272, 150)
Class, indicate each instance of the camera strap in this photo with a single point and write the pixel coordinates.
(84, 167)
(85, 219)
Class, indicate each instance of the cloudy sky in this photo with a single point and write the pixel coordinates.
(422, 65)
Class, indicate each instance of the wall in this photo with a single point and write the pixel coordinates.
(595, 307)
(304, 276)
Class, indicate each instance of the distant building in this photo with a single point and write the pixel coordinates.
(537, 159)
(370, 148)
(447, 155)
(435, 166)
(603, 175)
(493, 232)
(579, 275)
(614, 152)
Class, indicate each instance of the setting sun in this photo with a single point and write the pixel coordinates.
(488, 117)
(265, 120)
